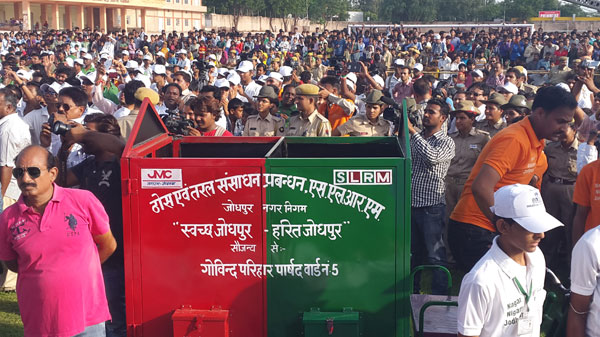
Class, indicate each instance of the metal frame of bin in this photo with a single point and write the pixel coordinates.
(150, 143)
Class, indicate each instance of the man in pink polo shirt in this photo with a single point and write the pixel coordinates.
(56, 238)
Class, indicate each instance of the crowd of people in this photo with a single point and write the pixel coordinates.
(494, 116)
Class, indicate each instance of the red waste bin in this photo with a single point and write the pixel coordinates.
(165, 239)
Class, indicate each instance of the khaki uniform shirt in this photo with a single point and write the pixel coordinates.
(126, 123)
(492, 130)
(316, 125)
(319, 72)
(466, 151)
(270, 126)
(557, 75)
(562, 163)
(360, 126)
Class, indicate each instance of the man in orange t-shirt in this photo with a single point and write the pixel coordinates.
(512, 156)
(587, 198)
(336, 109)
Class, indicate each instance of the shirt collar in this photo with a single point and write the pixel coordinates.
(509, 266)
(6, 118)
(535, 141)
(57, 196)
(311, 117)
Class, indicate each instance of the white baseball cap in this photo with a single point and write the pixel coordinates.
(418, 66)
(159, 69)
(212, 57)
(477, 72)
(222, 83)
(286, 71)
(90, 77)
(160, 53)
(379, 80)
(24, 74)
(87, 57)
(276, 76)
(524, 204)
(144, 79)
(223, 71)
(510, 87)
(125, 52)
(245, 66)
(131, 64)
(147, 57)
(351, 77)
(182, 51)
(79, 61)
(234, 78)
(399, 62)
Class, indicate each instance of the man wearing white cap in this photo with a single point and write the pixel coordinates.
(184, 63)
(503, 295)
(88, 62)
(159, 77)
(390, 81)
(251, 88)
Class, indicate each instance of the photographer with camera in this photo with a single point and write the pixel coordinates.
(71, 106)
(206, 113)
(100, 174)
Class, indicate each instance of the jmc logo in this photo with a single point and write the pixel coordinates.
(161, 178)
(362, 177)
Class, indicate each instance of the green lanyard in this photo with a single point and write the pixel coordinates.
(522, 290)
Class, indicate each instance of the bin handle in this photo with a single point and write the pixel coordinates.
(427, 305)
(431, 266)
(330, 326)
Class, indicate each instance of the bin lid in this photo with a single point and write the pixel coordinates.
(147, 126)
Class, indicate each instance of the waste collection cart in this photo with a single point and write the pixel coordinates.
(244, 237)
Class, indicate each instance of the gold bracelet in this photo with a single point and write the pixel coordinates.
(577, 312)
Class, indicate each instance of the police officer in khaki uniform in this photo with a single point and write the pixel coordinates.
(493, 121)
(558, 186)
(369, 124)
(264, 124)
(309, 122)
(515, 108)
(468, 143)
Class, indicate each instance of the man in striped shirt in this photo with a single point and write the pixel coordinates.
(432, 150)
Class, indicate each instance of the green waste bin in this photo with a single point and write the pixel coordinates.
(338, 226)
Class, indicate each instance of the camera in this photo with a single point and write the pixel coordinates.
(58, 127)
(177, 124)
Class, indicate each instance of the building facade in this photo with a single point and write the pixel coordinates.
(107, 15)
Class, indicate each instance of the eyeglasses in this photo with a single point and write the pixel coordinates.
(64, 106)
(33, 172)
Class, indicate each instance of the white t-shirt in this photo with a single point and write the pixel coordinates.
(14, 137)
(252, 90)
(35, 119)
(585, 276)
(489, 302)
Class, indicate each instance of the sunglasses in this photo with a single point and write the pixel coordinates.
(33, 172)
(65, 106)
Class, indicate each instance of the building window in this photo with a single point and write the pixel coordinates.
(187, 22)
(186, 2)
(127, 19)
(177, 22)
(168, 21)
(168, 0)
(176, 1)
(196, 2)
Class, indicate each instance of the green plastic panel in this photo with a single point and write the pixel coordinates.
(340, 228)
